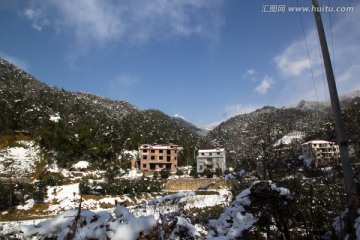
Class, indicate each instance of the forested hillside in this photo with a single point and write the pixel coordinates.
(46, 132)
(103, 127)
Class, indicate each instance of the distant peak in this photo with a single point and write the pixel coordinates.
(181, 117)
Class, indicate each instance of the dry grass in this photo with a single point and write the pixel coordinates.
(10, 139)
(39, 210)
(195, 183)
(93, 197)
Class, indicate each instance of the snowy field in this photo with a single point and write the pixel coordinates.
(66, 201)
(20, 160)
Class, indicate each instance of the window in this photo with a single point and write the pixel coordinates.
(144, 165)
(202, 154)
(168, 158)
(160, 165)
(168, 152)
(144, 150)
(218, 153)
(145, 157)
(152, 150)
(161, 151)
(161, 157)
(210, 154)
(152, 157)
(152, 166)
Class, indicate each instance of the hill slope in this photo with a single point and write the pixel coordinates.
(241, 134)
(54, 116)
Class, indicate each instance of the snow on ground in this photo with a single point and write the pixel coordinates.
(67, 197)
(55, 118)
(138, 218)
(131, 174)
(184, 199)
(28, 205)
(81, 165)
(133, 153)
(101, 225)
(63, 197)
(20, 159)
(55, 168)
(289, 138)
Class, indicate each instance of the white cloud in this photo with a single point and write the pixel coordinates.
(237, 109)
(295, 77)
(210, 126)
(250, 74)
(125, 80)
(293, 62)
(265, 85)
(119, 86)
(37, 17)
(24, 65)
(97, 23)
(31, 13)
(231, 111)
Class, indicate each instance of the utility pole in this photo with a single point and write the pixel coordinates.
(339, 124)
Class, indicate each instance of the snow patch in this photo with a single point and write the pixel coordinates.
(181, 117)
(20, 160)
(91, 225)
(81, 165)
(55, 118)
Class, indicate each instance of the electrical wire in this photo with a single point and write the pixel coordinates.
(307, 51)
(332, 39)
(326, 94)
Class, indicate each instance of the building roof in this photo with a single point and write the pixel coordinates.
(316, 142)
(204, 148)
(207, 149)
(158, 146)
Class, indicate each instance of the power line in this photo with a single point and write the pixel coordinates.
(326, 95)
(307, 51)
(332, 39)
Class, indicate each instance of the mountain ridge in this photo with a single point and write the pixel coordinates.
(28, 104)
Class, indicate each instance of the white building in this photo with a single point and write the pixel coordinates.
(211, 158)
(320, 150)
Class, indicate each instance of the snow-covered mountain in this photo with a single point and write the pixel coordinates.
(309, 105)
(183, 121)
(29, 105)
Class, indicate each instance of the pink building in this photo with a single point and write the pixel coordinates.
(158, 156)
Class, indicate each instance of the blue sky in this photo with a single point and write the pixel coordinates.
(206, 60)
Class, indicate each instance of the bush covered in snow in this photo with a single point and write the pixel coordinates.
(102, 225)
(261, 204)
